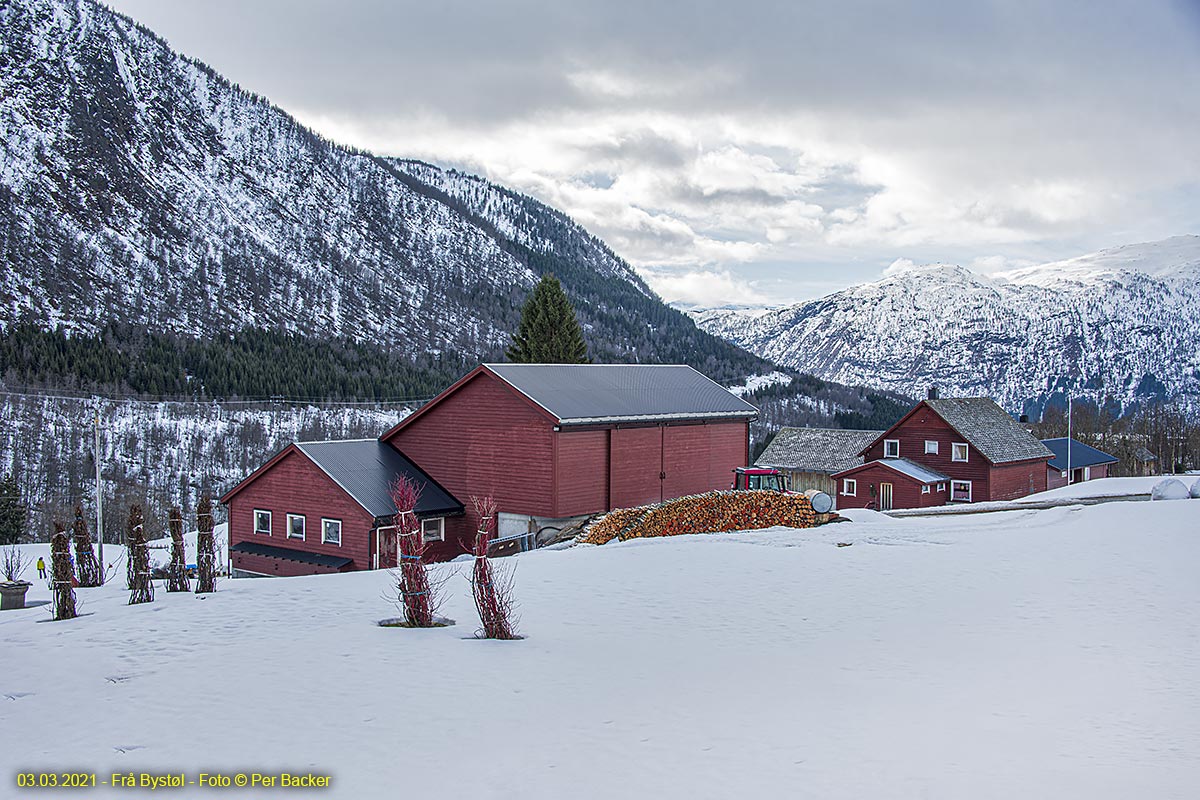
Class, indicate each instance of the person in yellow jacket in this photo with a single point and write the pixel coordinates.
(41, 565)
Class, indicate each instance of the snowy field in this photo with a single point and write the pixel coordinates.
(1106, 487)
(1036, 654)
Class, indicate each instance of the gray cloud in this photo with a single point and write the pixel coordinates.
(791, 144)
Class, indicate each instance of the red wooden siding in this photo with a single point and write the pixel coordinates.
(1016, 479)
(266, 565)
(1055, 479)
(906, 491)
(485, 439)
(635, 464)
(701, 458)
(925, 424)
(294, 485)
(582, 467)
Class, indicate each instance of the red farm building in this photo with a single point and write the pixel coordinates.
(951, 450)
(550, 442)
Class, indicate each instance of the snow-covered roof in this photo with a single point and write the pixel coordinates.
(816, 449)
(579, 394)
(1082, 455)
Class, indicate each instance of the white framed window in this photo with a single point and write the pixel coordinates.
(262, 522)
(925, 489)
(1087, 473)
(849, 487)
(295, 526)
(1062, 474)
(959, 451)
(331, 531)
(960, 491)
(433, 529)
(931, 447)
(891, 448)
(941, 487)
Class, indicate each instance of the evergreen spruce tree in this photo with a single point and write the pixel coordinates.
(13, 514)
(549, 332)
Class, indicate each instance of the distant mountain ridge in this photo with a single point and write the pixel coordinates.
(140, 187)
(1118, 327)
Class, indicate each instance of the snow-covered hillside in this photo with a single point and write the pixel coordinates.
(138, 186)
(1035, 654)
(1118, 326)
(157, 454)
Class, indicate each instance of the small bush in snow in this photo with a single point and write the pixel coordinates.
(13, 563)
(87, 568)
(418, 596)
(206, 550)
(177, 577)
(60, 560)
(491, 588)
(1169, 489)
(141, 587)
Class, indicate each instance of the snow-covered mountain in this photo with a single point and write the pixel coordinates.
(138, 186)
(1119, 326)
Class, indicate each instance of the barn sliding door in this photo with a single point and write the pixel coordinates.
(636, 467)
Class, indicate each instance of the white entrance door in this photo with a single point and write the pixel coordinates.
(885, 497)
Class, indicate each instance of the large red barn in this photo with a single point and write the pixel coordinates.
(553, 442)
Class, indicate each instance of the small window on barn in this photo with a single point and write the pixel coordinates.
(331, 531)
(262, 522)
(849, 487)
(1087, 473)
(295, 526)
(959, 451)
(941, 487)
(925, 489)
(891, 448)
(1062, 474)
(433, 530)
(931, 447)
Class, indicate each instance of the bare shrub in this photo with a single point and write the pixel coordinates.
(141, 587)
(206, 551)
(87, 568)
(60, 559)
(177, 577)
(491, 587)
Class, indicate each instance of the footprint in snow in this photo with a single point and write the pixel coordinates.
(117, 678)
(127, 748)
(18, 695)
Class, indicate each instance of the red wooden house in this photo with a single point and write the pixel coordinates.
(553, 442)
(959, 450)
(1081, 463)
(318, 507)
(550, 442)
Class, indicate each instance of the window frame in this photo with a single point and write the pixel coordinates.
(849, 487)
(441, 532)
(941, 486)
(970, 491)
(925, 488)
(325, 521)
(886, 442)
(1087, 473)
(936, 446)
(303, 527)
(270, 521)
(966, 452)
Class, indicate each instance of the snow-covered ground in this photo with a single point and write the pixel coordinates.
(1102, 487)
(1035, 653)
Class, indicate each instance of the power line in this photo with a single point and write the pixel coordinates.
(245, 401)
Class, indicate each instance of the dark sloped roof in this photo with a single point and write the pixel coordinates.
(1082, 455)
(816, 449)
(989, 428)
(367, 469)
(597, 393)
(287, 553)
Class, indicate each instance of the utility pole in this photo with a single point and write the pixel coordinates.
(1069, 476)
(99, 497)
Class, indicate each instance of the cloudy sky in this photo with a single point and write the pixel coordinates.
(758, 151)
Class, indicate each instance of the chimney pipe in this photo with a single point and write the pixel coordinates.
(933, 392)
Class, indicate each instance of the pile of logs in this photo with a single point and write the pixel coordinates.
(703, 513)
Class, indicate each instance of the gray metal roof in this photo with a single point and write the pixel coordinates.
(914, 470)
(1082, 455)
(580, 394)
(989, 428)
(367, 469)
(816, 449)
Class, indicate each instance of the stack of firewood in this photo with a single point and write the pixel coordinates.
(703, 513)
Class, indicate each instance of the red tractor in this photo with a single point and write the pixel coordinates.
(759, 478)
(773, 480)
